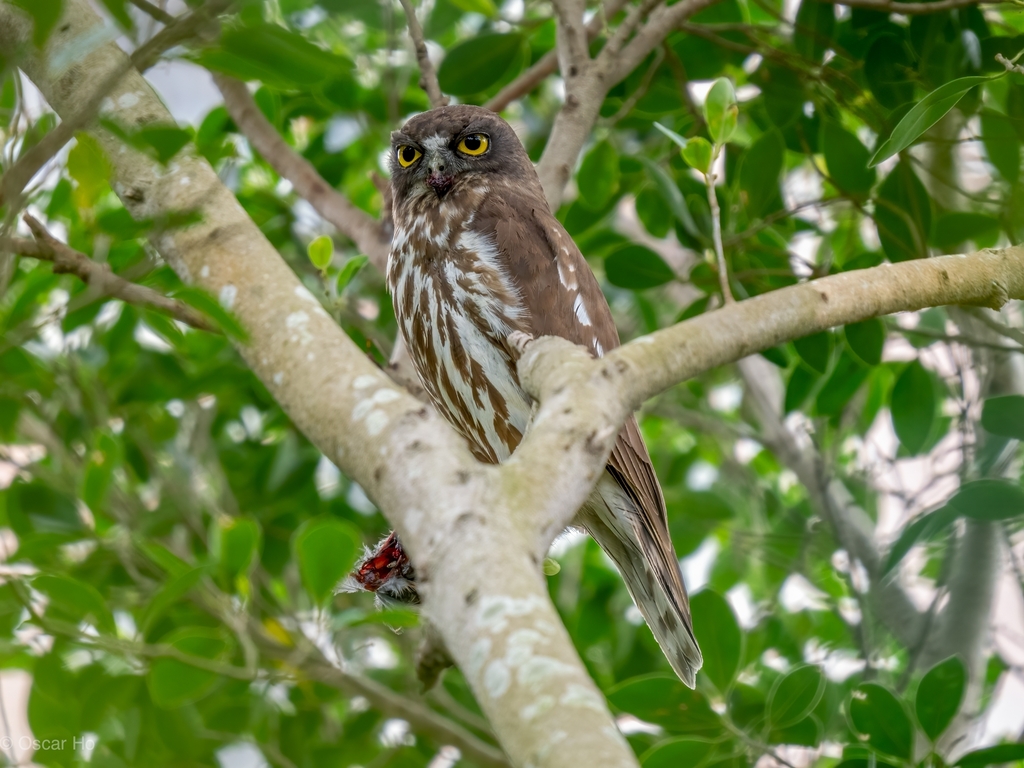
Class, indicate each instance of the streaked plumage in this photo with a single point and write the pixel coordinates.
(477, 255)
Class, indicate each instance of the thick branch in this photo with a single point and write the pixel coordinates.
(460, 520)
(428, 77)
(656, 362)
(69, 261)
(367, 233)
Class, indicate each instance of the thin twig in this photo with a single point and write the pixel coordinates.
(314, 664)
(907, 9)
(716, 232)
(67, 260)
(368, 235)
(969, 341)
(548, 63)
(155, 11)
(1011, 65)
(184, 27)
(1016, 334)
(428, 77)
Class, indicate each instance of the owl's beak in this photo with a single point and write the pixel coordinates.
(439, 173)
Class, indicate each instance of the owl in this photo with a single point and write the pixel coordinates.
(477, 255)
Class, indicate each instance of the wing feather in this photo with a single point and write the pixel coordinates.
(561, 293)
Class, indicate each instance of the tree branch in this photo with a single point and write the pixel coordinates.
(368, 235)
(428, 77)
(472, 529)
(461, 521)
(907, 9)
(548, 63)
(66, 260)
(588, 82)
(28, 165)
(851, 526)
(306, 657)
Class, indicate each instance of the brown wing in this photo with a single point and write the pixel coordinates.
(564, 299)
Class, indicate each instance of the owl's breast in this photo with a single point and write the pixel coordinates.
(455, 305)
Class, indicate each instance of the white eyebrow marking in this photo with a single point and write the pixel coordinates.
(434, 143)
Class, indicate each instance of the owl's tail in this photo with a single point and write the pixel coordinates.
(650, 571)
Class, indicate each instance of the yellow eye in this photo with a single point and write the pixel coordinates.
(407, 155)
(474, 144)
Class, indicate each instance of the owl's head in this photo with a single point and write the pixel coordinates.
(440, 150)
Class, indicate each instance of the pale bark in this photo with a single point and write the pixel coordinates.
(477, 533)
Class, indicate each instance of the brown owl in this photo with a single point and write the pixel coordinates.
(477, 255)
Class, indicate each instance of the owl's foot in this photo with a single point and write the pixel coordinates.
(516, 343)
(386, 571)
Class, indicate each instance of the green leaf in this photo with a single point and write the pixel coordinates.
(88, 165)
(170, 593)
(119, 10)
(721, 111)
(326, 549)
(275, 55)
(173, 682)
(350, 270)
(44, 14)
(923, 528)
(1002, 753)
(35, 507)
(845, 157)
(1002, 144)
(989, 499)
(913, 407)
(795, 695)
(1004, 416)
(801, 382)
(888, 68)
(697, 154)
(239, 539)
(598, 178)
(903, 214)
(923, 115)
(718, 634)
(76, 599)
(665, 701)
(653, 212)
(478, 63)
(676, 752)
(815, 350)
(671, 194)
(939, 696)
(320, 251)
(842, 384)
(957, 227)
(161, 141)
(805, 733)
(815, 23)
(878, 714)
(199, 299)
(637, 267)
(483, 7)
(760, 169)
(866, 340)
(680, 140)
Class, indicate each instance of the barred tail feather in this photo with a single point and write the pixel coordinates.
(651, 574)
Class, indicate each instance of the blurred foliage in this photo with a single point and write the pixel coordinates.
(170, 537)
